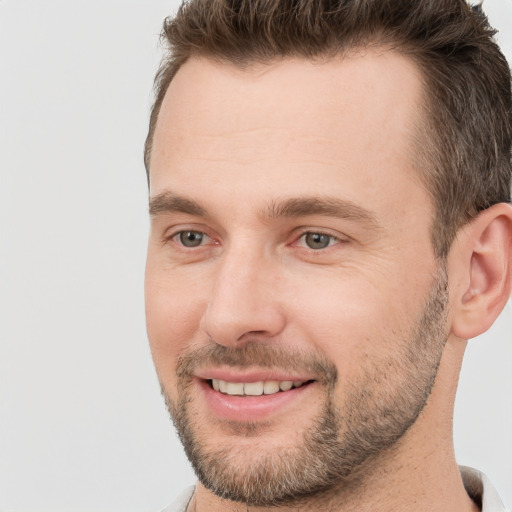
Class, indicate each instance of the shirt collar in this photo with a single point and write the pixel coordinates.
(481, 490)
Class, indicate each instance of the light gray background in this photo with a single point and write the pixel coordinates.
(82, 424)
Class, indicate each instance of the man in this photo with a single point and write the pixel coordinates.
(329, 189)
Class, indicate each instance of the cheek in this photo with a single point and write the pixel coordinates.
(351, 321)
(173, 314)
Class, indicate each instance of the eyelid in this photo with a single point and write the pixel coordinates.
(170, 234)
(333, 240)
(204, 240)
(303, 231)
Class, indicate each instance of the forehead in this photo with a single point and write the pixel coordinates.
(295, 122)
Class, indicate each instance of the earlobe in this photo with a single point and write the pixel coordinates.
(486, 256)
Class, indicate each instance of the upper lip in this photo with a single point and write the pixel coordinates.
(233, 375)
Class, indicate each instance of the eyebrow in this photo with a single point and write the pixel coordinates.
(168, 202)
(326, 206)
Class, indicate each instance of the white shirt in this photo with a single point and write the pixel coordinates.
(478, 486)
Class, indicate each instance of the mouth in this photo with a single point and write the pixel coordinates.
(268, 387)
(253, 398)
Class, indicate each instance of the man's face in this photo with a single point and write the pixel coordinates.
(295, 310)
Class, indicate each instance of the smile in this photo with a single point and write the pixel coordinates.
(259, 388)
(253, 397)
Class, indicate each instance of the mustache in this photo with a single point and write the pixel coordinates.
(257, 354)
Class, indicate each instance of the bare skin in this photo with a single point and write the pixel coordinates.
(236, 143)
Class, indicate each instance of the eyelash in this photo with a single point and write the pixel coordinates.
(331, 239)
(176, 237)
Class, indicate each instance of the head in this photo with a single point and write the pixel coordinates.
(325, 178)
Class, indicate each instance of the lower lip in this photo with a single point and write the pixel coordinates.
(251, 408)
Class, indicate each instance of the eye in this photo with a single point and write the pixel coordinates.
(318, 241)
(191, 238)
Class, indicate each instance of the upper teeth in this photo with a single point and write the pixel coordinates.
(268, 387)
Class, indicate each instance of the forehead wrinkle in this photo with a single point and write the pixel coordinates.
(327, 206)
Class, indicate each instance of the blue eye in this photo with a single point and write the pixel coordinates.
(191, 238)
(318, 240)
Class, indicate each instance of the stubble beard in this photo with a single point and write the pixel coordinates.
(334, 449)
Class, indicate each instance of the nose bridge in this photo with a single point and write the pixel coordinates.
(242, 299)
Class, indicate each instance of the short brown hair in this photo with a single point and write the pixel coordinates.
(464, 151)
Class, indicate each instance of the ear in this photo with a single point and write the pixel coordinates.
(482, 263)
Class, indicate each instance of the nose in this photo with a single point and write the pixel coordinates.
(243, 304)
